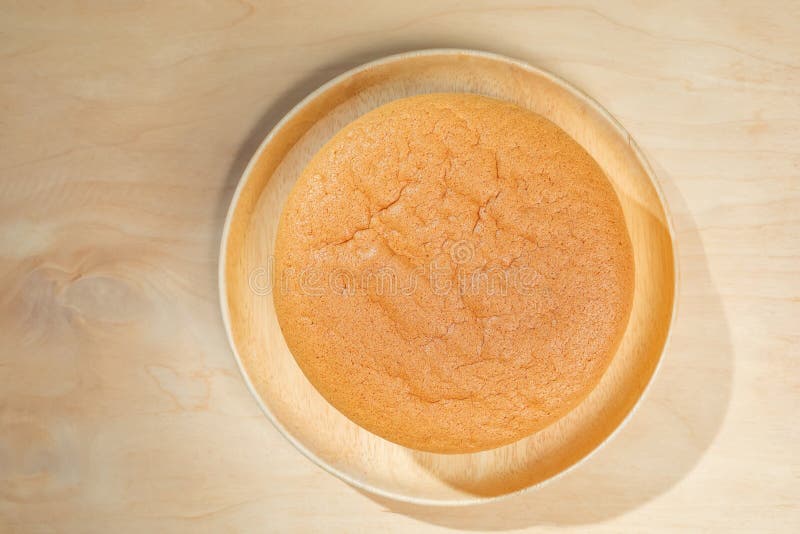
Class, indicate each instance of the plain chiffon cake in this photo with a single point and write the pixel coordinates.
(453, 272)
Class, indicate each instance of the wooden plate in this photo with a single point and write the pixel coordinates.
(291, 402)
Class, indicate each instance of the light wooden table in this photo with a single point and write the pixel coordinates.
(124, 127)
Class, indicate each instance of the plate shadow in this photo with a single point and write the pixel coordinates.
(675, 423)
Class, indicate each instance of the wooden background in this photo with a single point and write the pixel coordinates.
(124, 126)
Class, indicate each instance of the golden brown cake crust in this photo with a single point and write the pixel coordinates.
(453, 272)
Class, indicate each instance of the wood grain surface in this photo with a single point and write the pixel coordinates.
(124, 127)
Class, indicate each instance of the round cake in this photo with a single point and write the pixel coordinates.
(453, 272)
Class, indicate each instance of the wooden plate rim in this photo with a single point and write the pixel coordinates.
(223, 292)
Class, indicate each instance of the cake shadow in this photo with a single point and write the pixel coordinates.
(674, 425)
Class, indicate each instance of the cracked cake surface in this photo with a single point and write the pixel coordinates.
(453, 272)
